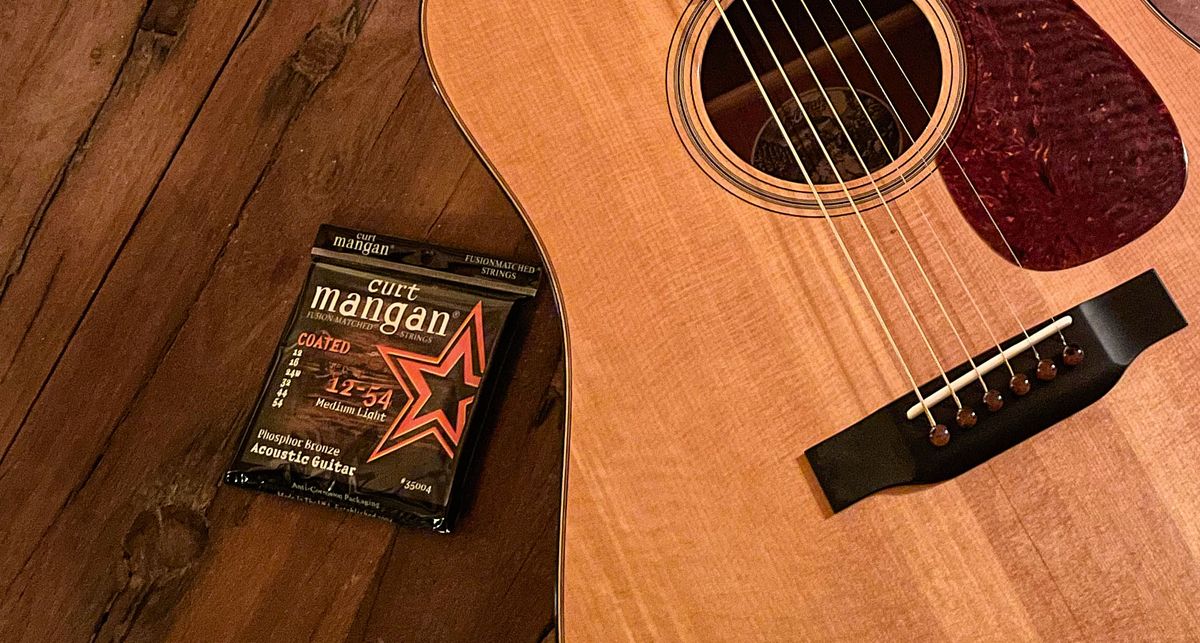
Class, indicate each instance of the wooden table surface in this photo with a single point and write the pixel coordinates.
(164, 166)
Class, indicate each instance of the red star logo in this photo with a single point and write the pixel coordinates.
(412, 423)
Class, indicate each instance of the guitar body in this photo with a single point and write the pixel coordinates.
(714, 335)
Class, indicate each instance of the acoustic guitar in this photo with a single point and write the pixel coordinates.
(875, 310)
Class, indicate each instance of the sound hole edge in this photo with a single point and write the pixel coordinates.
(733, 169)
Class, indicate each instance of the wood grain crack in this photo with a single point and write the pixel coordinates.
(408, 78)
(366, 610)
(37, 311)
(158, 27)
(310, 66)
(256, 16)
(1036, 549)
(317, 59)
(17, 260)
(457, 183)
(137, 219)
(83, 315)
(313, 65)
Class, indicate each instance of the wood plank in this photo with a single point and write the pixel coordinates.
(118, 528)
(175, 52)
(62, 60)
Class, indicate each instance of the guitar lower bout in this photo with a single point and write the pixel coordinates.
(712, 341)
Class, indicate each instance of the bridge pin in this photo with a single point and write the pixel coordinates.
(1046, 369)
(994, 400)
(966, 417)
(939, 435)
(1072, 355)
(1020, 384)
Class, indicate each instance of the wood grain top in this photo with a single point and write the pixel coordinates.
(710, 343)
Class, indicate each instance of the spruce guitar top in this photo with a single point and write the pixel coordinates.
(875, 310)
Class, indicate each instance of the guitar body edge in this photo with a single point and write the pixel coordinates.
(709, 343)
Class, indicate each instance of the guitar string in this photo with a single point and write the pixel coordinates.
(892, 158)
(857, 212)
(867, 63)
(853, 205)
(825, 212)
(870, 178)
(945, 143)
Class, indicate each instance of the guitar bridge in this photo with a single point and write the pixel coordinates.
(888, 449)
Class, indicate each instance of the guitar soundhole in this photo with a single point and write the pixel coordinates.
(1057, 150)
(879, 113)
(740, 116)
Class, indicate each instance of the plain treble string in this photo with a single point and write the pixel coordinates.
(829, 219)
(944, 143)
(892, 105)
(870, 177)
(854, 206)
(892, 158)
